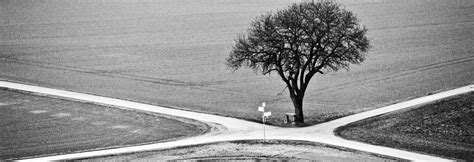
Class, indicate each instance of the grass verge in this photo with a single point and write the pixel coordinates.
(444, 128)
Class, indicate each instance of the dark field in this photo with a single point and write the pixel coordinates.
(33, 125)
(172, 53)
(444, 128)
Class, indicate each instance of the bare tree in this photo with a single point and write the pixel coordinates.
(300, 41)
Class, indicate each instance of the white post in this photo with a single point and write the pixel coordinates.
(264, 117)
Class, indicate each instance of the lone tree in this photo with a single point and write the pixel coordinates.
(300, 41)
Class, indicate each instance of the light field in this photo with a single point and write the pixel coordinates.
(173, 53)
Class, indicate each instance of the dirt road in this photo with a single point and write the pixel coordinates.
(234, 129)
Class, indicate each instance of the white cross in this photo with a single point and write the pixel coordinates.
(264, 117)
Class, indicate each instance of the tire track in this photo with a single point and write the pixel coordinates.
(392, 76)
(100, 73)
(206, 87)
(170, 82)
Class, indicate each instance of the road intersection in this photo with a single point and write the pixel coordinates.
(231, 129)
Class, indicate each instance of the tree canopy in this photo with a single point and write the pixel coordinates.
(300, 41)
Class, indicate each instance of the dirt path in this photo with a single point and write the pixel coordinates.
(231, 129)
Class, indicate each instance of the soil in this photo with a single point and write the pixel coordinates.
(172, 53)
(443, 128)
(251, 151)
(36, 125)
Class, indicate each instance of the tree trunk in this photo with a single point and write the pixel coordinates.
(298, 104)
